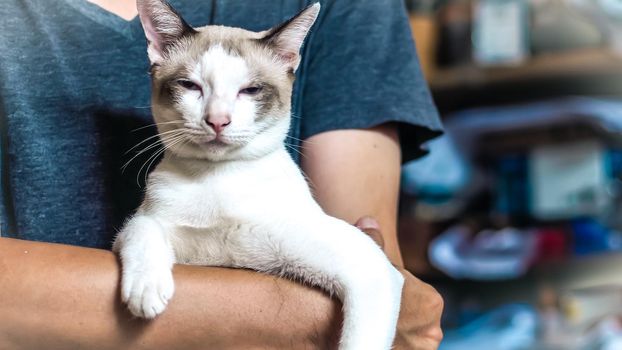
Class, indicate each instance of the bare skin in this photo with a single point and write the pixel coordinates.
(125, 9)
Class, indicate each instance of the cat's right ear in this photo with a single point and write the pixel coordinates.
(286, 39)
(163, 26)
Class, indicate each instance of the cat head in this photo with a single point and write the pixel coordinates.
(221, 93)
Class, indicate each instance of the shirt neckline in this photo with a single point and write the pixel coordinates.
(127, 28)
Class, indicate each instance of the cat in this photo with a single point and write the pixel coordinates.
(227, 193)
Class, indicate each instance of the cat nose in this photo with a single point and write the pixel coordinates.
(218, 122)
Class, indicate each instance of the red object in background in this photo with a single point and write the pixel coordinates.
(553, 244)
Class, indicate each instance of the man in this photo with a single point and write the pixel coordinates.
(74, 87)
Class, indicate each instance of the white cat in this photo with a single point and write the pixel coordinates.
(227, 192)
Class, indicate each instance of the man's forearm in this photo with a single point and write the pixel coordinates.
(57, 296)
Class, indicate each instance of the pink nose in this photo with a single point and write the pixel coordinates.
(218, 123)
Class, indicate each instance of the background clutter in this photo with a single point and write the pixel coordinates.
(516, 213)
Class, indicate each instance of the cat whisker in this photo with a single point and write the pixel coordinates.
(150, 146)
(172, 143)
(156, 124)
(294, 138)
(153, 157)
(301, 142)
(195, 132)
(308, 179)
(293, 148)
(149, 138)
(155, 154)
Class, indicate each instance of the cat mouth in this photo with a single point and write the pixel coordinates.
(209, 140)
(216, 141)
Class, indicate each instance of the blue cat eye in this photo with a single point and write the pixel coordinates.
(251, 90)
(188, 84)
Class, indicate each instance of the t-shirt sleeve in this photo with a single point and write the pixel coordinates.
(361, 70)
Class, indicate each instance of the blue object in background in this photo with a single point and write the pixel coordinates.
(440, 175)
(509, 327)
(589, 236)
(512, 187)
(615, 163)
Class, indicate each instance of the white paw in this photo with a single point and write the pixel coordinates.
(147, 292)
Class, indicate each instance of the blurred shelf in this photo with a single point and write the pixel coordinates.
(574, 63)
(593, 72)
(578, 273)
(573, 271)
(414, 238)
(587, 271)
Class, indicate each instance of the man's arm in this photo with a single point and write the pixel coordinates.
(63, 297)
(356, 173)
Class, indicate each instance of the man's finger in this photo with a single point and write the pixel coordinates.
(371, 227)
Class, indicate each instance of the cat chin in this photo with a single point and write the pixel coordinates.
(218, 152)
(212, 151)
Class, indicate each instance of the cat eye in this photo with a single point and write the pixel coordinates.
(188, 84)
(251, 90)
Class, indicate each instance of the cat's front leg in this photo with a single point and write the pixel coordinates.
(147, 260)
(368, 285)
(335, 255)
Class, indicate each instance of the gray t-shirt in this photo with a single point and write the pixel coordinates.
(74, 88)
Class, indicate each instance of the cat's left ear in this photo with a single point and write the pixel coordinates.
(287, 38)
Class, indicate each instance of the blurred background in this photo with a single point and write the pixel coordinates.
(516, 214)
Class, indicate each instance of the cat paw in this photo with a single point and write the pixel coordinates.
(147, 293)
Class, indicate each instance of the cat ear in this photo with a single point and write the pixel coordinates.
(286, 39)
(163, 26)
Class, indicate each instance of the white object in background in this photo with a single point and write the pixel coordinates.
(568, 180)
(500, 32)
(614, 343)
(612, 9)
(492, 255)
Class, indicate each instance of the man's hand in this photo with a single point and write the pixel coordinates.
(419, 324)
